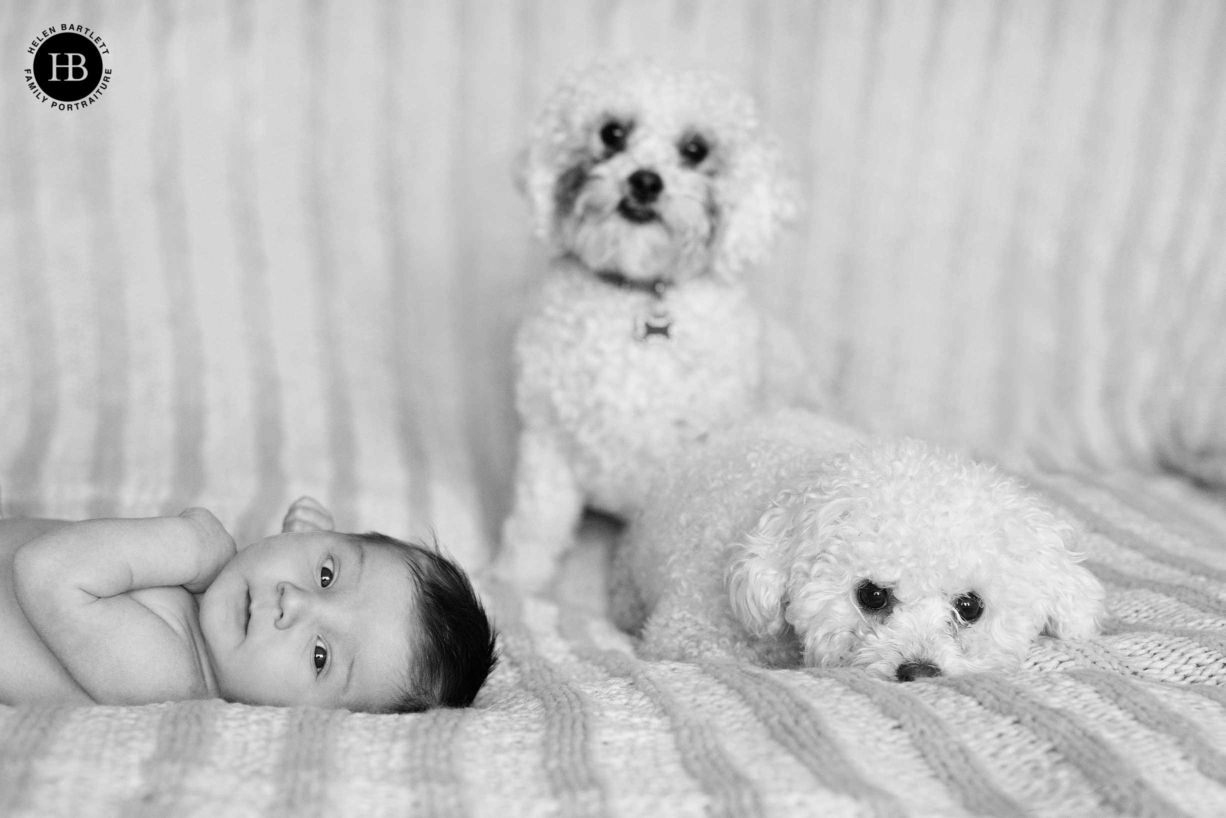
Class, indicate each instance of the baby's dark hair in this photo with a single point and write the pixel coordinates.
(457, 646)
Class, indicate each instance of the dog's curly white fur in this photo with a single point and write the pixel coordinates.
(793, 539)
(656, 192)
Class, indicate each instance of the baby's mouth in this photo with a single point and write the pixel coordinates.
(632, 211)
(247, 620)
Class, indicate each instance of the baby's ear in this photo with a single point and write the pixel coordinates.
(760, 561)
(307, 514)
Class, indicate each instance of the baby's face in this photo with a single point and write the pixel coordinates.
(311, 618)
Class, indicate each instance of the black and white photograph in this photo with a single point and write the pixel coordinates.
(613, 408)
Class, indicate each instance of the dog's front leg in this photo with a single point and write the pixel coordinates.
(694, 624)
(626, 606)
(548, 506)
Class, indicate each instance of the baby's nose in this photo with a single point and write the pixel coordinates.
(290, 602)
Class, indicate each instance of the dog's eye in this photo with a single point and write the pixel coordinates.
(969, 607)
(694, 149)
(873, 597)
(614, 135)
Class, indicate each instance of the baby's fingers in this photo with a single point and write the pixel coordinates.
(213, 546)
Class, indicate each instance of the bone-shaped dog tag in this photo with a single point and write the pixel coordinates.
(655, 326)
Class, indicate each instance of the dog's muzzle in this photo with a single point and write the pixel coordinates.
(645, 188)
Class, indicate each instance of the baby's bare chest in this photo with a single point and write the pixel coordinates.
(175, 606)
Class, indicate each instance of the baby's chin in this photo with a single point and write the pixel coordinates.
(216, 611)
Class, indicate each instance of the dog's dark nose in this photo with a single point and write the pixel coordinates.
(910, 671)
(645, 186)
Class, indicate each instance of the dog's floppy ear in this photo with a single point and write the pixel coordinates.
(765, 199)
(519, 171)
(1074, 605)
(1070, 598)
(761, 559)
(534, 179)
(551, 151)
(1072, 602)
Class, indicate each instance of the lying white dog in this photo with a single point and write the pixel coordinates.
(792, 539)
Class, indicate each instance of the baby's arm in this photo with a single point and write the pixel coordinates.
(73, 585)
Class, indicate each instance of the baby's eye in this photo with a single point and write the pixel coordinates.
(320, 657)
(969, 607)
(326, 572)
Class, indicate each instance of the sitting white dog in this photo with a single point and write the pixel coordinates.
(792, 539)
(656, 193)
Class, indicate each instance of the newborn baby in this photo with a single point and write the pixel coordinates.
(137, 611)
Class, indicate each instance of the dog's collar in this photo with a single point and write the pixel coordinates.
(653, 286)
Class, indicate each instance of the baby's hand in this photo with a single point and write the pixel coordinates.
(215, 547)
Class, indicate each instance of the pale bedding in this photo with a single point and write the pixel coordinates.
(284, 255)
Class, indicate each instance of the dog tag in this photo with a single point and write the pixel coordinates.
(655, 326)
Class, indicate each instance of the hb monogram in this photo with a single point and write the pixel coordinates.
(72, 65)
(68, 70)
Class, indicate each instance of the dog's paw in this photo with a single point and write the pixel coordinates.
(527, 569)
(307, 514)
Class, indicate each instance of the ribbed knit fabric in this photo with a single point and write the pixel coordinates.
(283, 255)
(1129, 723)
(1014, 236)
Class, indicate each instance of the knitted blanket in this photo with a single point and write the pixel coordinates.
(573, 724)
(283, 255)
